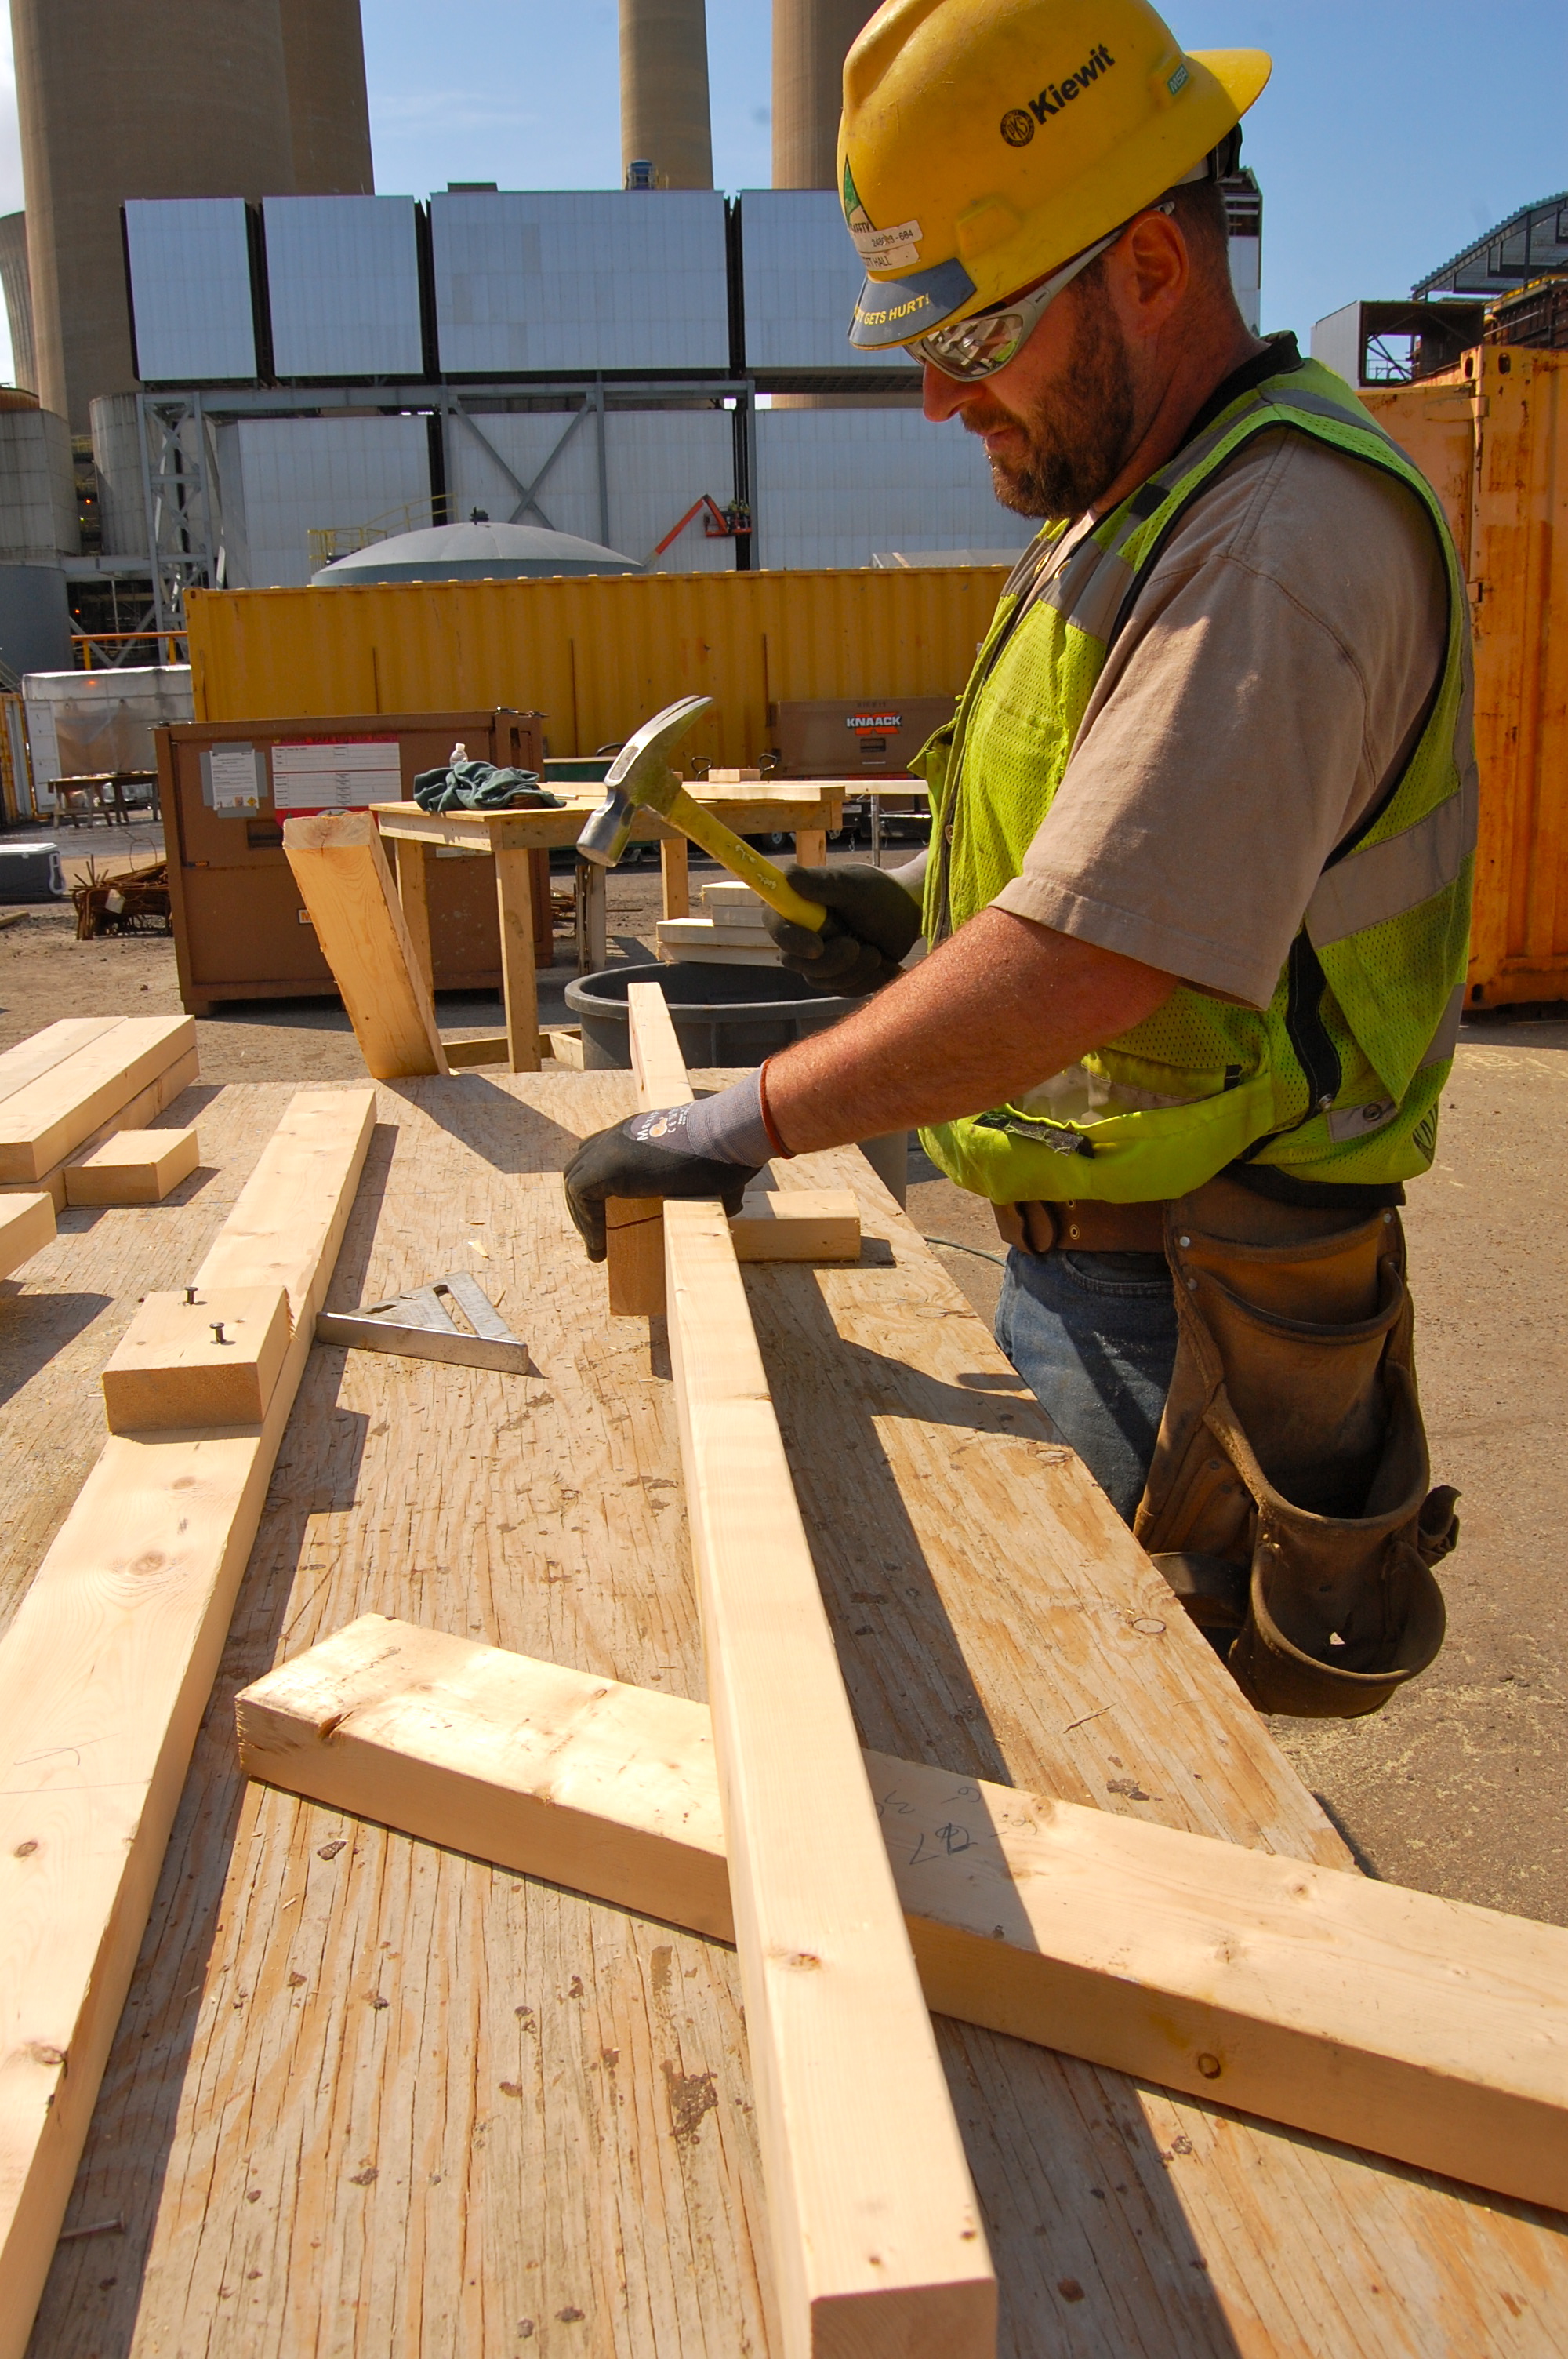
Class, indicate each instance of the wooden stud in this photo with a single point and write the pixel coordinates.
(875, 2231)
(346, 885)
(211, 1361)
(811, 846)
(1422, 2029)
(104, 1674)
(133, 1167)
(675, 875)
(519, 976)
(635, 1227)
(27, 1226)
(797, 1225)
(782, 1225)
(48, 1118)
(414, 900)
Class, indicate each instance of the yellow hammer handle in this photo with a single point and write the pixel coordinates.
(705, 827)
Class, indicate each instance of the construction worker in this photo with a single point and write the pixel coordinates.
(1196, 900)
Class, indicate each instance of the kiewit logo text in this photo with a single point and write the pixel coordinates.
(1018, 124)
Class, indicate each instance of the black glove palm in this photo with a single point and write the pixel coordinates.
(872, 924)
(617, 1162)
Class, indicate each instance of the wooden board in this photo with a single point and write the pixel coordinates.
(816, 1225)
(347, 887)
(49, 1116)
(42, 1051)
(158, 1094)
(876, 2236)
(104, 1672)
(133, 1167)
(634, 1226)
(598, 2149)
(1420, 2027)
(213, 1360)
(26, 1225)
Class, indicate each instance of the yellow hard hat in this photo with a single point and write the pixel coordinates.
(985, 141)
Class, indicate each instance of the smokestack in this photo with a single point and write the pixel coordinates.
(664, 117)
(329, 110)
(811, 40)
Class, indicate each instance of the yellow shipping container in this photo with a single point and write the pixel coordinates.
(596, 655)
(1491, 436)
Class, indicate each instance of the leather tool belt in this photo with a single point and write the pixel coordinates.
(1289, 1502)
(1083, 1227)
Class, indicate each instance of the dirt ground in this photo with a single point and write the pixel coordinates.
(1460, 1786)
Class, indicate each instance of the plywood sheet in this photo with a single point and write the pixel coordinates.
(368, 2096)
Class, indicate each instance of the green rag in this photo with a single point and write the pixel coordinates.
(480, 786)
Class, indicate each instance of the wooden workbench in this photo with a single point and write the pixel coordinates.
(369, 2097)
(809, 810)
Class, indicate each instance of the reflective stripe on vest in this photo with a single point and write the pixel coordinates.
(1339, 1078)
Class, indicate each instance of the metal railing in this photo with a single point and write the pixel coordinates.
(330, 540)
(111, 649)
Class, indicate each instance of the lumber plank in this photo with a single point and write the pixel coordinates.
(519, 972)
(42, 1051)
(346, 885)
(104, 1672)
(1422, 2029)
(799, 1225)
(634, 1228)
(144, 1108)
(133, 1167)
(26, 1225)
(210, 1361)
(48, 1117)
(874, 2228)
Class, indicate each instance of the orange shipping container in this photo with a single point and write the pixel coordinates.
(1491, 436)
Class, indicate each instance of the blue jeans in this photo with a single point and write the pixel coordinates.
(1094, 1337)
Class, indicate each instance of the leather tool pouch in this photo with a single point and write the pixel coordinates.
(1287, 1499)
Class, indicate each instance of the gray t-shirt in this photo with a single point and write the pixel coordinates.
(1271, 682)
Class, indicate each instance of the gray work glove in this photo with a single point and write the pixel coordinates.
(872, 925)
(714, 1147)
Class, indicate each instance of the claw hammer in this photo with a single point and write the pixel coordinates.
(640, 778)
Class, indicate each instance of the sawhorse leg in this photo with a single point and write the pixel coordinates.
(675, 872)
(519, 980)
(414, 895)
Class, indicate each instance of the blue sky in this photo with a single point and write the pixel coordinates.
(1392, 133)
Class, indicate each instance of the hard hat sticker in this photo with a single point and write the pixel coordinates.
(889, 249)
(1018, 124)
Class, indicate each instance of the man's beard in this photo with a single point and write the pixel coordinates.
(1078, 446)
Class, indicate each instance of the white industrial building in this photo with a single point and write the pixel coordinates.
(318, 372)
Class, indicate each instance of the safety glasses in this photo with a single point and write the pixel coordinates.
(988, 341)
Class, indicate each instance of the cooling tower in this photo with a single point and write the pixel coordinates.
(190, 98)
(811, 38)
(329, 113)
(664, 118)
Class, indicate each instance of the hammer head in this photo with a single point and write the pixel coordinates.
(640, 778)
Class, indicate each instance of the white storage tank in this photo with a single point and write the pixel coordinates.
(39, 517)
